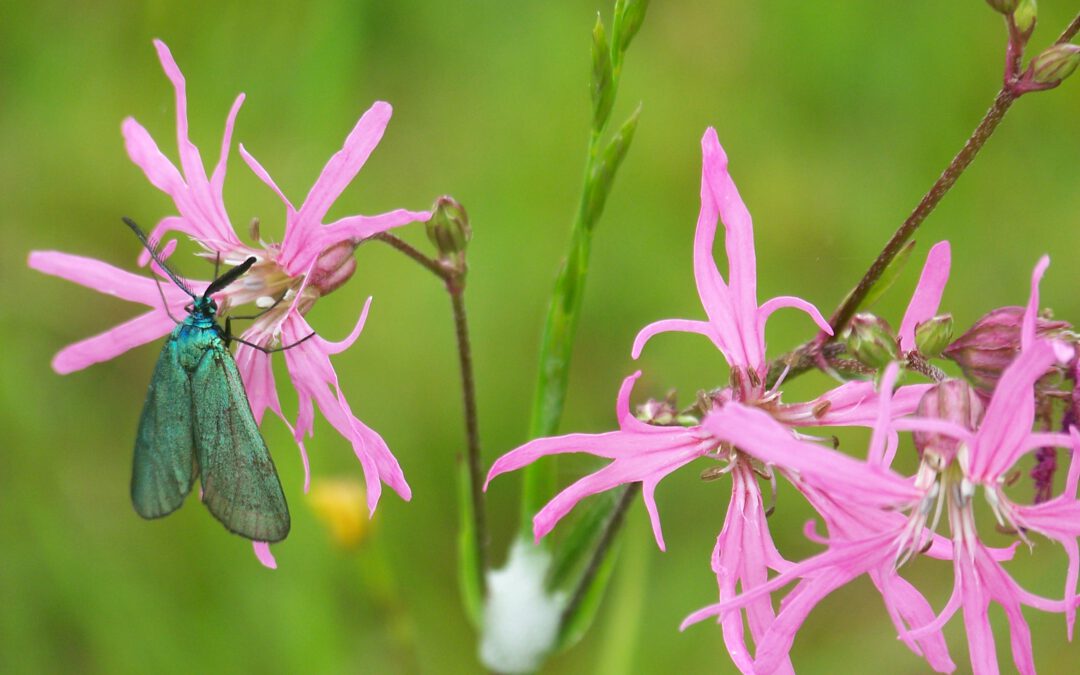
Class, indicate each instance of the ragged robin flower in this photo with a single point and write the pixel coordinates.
(314, 258)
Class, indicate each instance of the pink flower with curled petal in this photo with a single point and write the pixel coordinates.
(866, 540)
(288, 278)
(745, 426)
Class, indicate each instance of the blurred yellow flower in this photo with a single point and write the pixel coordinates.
(340, 504)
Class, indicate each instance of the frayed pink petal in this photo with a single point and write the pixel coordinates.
(1010, 414)
(739, 244)
(776, 643)
(189, 154)
(714, 293)
(757, 433)
(648, 493)
(927, 296)
(906, 607)
(770, 306)
(877, 452)
(262, 552)
(257, 374)
(329, 347)
(934, 425)
(678, 325)
(649, 466)
(113, 342)
(103, 278)
(951, 605)
(1073, 477)
(259, 171)
(1031, 312)
(217, 180)
(337, 174)
(144, 152)
(353, 228)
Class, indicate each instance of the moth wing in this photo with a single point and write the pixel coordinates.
(240, 484)
(164, 468)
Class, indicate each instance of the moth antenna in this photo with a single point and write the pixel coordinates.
(151, 247)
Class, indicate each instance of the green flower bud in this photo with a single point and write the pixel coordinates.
(872, 341)
(1006, 7)
(1024, 17)
(603, 89)
(933, 335)
(628, 17)
(448, 229)
(1055, 64)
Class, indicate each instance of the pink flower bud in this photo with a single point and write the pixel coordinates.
(333, 267)
(991, 344)
(954, 401)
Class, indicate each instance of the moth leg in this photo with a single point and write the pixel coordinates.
(269, 350)
(164, 302)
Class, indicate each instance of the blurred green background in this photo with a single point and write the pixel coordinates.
(836, 118)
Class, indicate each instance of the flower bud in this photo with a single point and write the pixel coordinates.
(873, 341)
(341, 505)
(1024, 17)
(953, 401)
(333, 267)
(1055, 64)
(991, 344)
(1006, 7)
(660, 413)
(933, 335)
(448, 229)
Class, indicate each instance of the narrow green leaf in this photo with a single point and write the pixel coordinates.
(470, 575)
(574, 627)
(603, 89)
(888, 277)
(580, 539)
(603, 174)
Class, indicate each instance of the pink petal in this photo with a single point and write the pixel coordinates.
(770, 306)
(113, 342)
(1010, 414)
(877, 452)
(359, 227)
(927, 296)
(337, 347)
(1031, 312)
(105, 278)
(649, 466)
(739, 243)
(217, 180)
(677, 325)
(907, 607)
(758, 434)
(259, 171)
(262, 552)
(335, 177)
(144, 152)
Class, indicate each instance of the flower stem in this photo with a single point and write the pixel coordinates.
(453, 277)
(607, 538)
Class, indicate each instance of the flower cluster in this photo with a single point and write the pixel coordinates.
(314, 258)
(877, 518)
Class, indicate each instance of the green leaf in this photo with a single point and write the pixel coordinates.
(888, 277)
(578, 543)
(603, 88)
(576, 625)
(470, 574)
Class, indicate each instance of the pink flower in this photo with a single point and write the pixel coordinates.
(866, 539)
(286, 281)
(736, 324)
(746, 427)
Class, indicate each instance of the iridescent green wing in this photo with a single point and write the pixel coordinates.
(164, 469)
(240, 484)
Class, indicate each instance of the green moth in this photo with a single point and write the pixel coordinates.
(197, 422)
